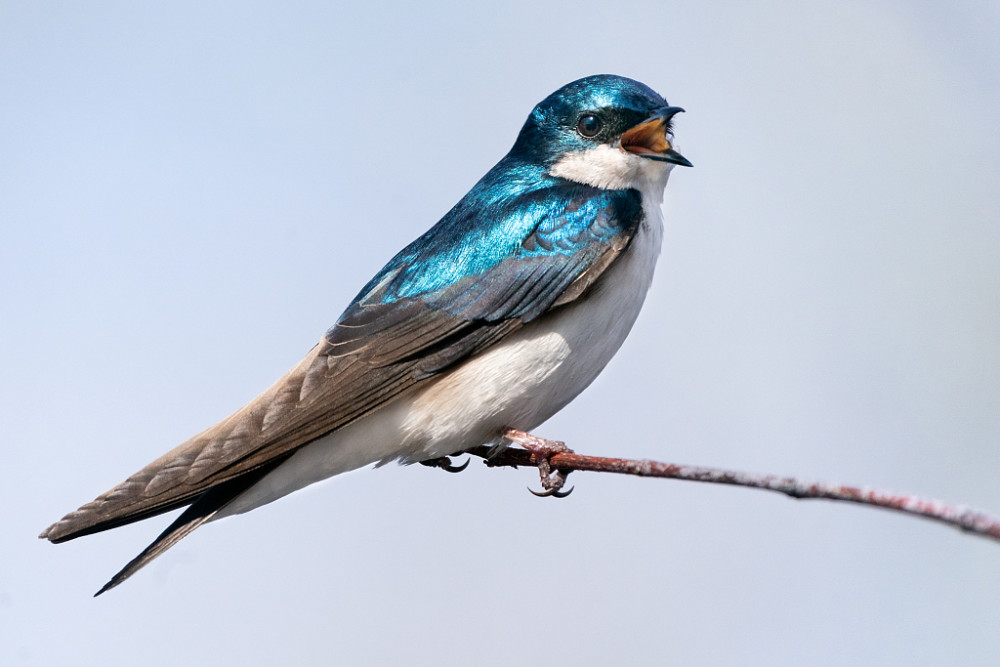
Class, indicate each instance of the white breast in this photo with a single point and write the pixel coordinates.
(528, 378)
(521, 382)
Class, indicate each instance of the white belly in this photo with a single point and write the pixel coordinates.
(519, 383)
(534, 374)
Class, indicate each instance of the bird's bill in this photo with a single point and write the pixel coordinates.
(649, 139)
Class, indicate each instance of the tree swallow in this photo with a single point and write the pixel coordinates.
(494, 319)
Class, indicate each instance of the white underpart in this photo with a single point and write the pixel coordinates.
(522, 381)
(613, 168)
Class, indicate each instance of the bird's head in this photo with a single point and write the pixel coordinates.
(606, 131)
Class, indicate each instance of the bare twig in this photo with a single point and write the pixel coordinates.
(959, 516)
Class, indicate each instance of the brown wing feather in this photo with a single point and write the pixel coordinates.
(282, 418)
(311, 400)
(337, 383)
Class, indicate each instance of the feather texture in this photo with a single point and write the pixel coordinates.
(413, 321)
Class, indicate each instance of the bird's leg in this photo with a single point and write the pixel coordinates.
(543, 450)
(445, 464)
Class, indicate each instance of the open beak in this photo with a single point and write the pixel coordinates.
(649, 139)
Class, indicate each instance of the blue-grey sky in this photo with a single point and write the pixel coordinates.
(191, 192)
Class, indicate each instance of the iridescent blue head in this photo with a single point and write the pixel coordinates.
(604, 130)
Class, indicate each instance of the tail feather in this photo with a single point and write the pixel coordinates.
(206, 506)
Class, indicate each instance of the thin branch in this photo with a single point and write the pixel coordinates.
(958, 516)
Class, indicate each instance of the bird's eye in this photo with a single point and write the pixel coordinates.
(589, 125)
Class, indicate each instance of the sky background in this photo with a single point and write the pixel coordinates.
(191, 192)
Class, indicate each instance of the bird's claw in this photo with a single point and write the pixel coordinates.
(554, 492)
(444, 463)
(543, 450)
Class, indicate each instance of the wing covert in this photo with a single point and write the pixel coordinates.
(551, 238)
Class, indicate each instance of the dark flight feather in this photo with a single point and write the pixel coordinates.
(207, 505)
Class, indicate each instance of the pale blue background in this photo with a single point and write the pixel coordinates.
(191, 192)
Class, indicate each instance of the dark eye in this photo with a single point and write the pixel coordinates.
(589, 125)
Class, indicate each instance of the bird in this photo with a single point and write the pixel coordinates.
(474, 334)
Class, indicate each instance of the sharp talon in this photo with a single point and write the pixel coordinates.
(543, 450)
(451, 468)
(445, 464)
(554, 493)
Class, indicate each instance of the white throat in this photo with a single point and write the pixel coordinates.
(611, 168)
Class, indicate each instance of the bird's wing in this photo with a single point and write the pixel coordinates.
(455, 291)
(204, 507)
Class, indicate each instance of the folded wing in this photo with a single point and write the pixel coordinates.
(454, 292)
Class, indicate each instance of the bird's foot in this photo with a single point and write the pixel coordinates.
(543, 450)
(445, 464)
